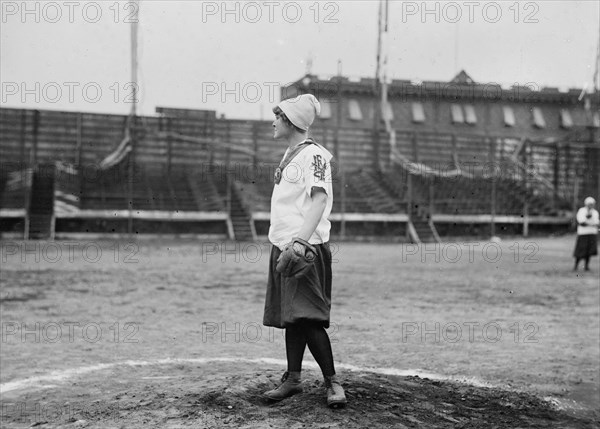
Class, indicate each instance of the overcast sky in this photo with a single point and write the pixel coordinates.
(76, 55)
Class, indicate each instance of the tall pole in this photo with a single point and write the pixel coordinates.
(597, 91)
(594, 131)
(597, 69)
(456, 46)
(133, 113)
(377, 103)
(336, 149)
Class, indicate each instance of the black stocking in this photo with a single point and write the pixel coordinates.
(320, 347)
(295, 343)
(313, 334)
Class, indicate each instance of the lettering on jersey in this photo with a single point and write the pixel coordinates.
(319, 167)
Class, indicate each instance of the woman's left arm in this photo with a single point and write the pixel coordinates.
(314, 214)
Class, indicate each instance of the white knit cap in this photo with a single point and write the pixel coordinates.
(589, 200)
(301, 111)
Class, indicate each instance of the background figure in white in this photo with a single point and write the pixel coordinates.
(587, 233)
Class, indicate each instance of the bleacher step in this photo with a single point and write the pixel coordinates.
(41, 207)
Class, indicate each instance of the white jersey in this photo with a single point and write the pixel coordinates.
(592, 221)
(292, 196)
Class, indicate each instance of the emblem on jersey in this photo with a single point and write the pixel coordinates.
(319, 167)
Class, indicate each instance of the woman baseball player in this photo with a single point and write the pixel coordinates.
(586, 245)
(298, 295)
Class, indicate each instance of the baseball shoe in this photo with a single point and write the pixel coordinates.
(336, 398)
(290, 385)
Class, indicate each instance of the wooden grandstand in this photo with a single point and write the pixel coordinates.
(190, 172)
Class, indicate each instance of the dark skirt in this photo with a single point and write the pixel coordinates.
(290, 300)
(586, 246)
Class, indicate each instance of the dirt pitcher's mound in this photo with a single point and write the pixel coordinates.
(221, 395)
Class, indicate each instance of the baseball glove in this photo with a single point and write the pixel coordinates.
(296, 260)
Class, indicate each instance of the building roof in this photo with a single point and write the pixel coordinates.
(461, 87)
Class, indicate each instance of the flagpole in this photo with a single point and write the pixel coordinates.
(377, 104)
(597, 71)
(133, 113)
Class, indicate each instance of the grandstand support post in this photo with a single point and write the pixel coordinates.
(79, 138)
(169, 146)
(343, 203)
(431, 198)
(36, 126)
(27, 202)
(492, 161)
(130, 175)
(22, 138)
(228, 183)
(526, 219)
(524, 153)
(493, 207)
(254, 145)
(409, 195)
(556, 175)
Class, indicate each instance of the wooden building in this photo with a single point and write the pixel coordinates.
(460, 106)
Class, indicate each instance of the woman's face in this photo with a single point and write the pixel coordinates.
(280, 128)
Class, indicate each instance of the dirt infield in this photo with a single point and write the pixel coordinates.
(229, 395)
(168, 334)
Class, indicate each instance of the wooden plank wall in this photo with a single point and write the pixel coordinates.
(86, 138)
(29, 136)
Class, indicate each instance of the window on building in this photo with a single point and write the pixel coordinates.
(457, 114)
(470, 116)
(325, 110)
(509, 116)
(565, 118)
(596, 120)
(418, 113)
(538, 118)
(354, 109)
(387, 111)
